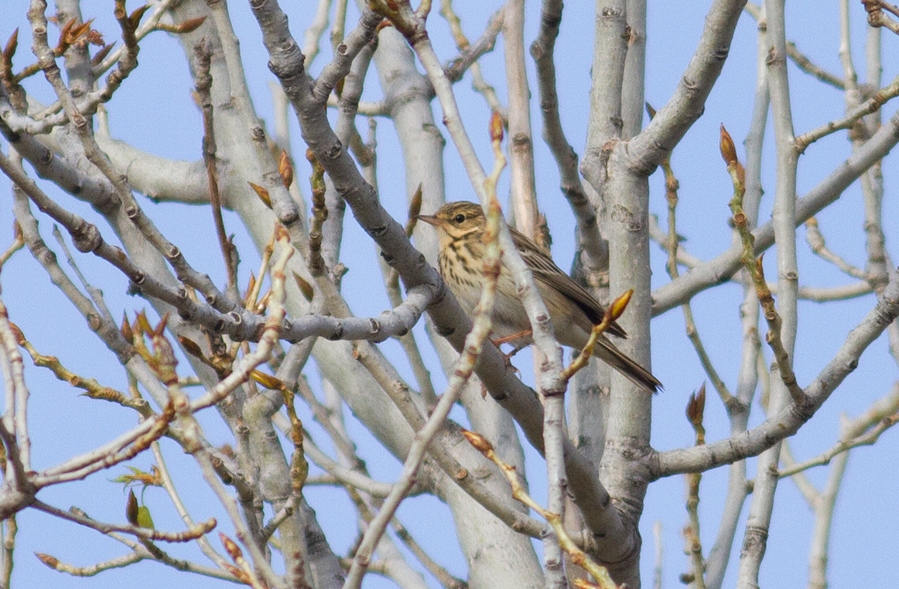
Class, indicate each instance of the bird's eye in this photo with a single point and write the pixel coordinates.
(460, 218)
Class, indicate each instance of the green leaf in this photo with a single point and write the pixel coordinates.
(144, 519)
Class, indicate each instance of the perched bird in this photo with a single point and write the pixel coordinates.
(460, 227)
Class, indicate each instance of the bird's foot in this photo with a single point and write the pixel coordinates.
(517, 347)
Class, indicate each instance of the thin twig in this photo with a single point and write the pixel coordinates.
(8, 536)
(146, 533)
(462, 43)
(203, 83)
(671, 188)
(867, 439)
(523, 198)
(367, 513)
(806, 65)
(657, 571)
(469, 55)
(92, 388)
(169, 487)
(312, 36)
(17, 244)
(578, 557)
(695, 411)
(816, 242)
(754, 267)
(589, 238)
(460, 375)
(876, 17)
(853, 117)
(800, 59)
(15, 415)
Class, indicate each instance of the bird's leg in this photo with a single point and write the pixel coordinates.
(512, 338)
(508, 357)
(516, 347)
(515, 350)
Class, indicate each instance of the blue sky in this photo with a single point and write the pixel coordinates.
(154, 111)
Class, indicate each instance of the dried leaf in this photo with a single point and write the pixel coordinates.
(126, 330)
(696, 406)
(191, 347)
(147, 479)
(17, 333)
(144, 323)
(285, 168)
(138, 14)
(64, 35)
(231, 547)
(131, 509)
(496, 126)
(190, 25)
(101, 54)
(479, 442)
(620, 304)
(728, 149)
(239, 573)
(759, 268)
(414, 211)
(50, 561)
(268, 381)
(305, 287)
(262, 193)
(82, 29)
(160, 327)
(11, 45)
(95, 37)
(251, 284)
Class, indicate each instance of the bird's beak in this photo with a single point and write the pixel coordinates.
(430, 220)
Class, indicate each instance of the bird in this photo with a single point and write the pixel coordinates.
(461, 226)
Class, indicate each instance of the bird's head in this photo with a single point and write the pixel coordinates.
(457, 219)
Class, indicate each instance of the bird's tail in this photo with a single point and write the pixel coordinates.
(608, 353)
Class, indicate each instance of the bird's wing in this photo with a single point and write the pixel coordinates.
(546, 271)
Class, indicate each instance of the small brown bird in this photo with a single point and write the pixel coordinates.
(460, 227)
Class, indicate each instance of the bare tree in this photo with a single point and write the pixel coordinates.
(258, 336)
